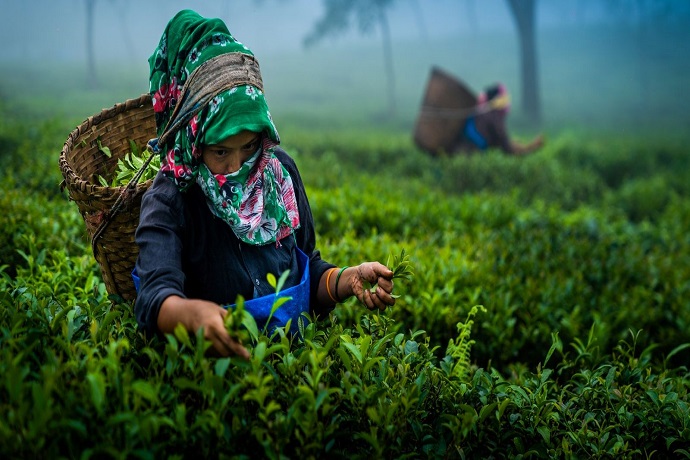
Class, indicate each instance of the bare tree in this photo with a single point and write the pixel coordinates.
(369, 15)
(524, 16)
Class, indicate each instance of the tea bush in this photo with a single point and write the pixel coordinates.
(537, 270)
(644, 198)
(31, 220)
(578, 257)
(26, 152)
(79, 380)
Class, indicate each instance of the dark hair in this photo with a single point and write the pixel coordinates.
(492, 92)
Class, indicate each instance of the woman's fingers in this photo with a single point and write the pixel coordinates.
(222, 342)
(386, 285)
(225, 345)
(236, 348)
(379, 298)
(374, 273)
(383, 297)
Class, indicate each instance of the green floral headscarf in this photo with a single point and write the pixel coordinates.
(258, 202)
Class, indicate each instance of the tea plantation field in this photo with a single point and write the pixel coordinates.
(548, 315)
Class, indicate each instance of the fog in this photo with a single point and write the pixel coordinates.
(623, 65)
(55, 29)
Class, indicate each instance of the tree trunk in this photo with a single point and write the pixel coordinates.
(388, 60)
(524, 15)
(92, 79)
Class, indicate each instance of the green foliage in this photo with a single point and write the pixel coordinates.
(577, 254)
(401, 266)
(643, 199)
(31, 221)
(130, 164)
(457, 358)
(28, 159)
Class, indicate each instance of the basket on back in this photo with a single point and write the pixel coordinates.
(446, 105)
(82, 161)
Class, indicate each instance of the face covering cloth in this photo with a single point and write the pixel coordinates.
(205, 87)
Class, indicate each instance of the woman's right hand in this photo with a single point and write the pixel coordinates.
(194, 314)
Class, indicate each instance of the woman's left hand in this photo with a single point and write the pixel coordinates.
(373, 273)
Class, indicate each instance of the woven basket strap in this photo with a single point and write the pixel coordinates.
(438, 112)
(218, 74)
(125, 193)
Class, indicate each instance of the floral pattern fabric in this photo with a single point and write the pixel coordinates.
(259, 204)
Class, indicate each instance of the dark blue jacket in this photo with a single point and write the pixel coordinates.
(185, 250)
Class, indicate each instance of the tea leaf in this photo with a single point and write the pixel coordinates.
(130, 164)
(145, 390)
(103, 148)
(401, 268)
(97, 387)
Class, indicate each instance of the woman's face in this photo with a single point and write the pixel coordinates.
(228, 156)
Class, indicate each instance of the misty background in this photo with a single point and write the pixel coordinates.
(618, 66)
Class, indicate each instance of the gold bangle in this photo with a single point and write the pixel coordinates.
(328, 284)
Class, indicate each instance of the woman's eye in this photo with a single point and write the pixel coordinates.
(221, 153)
(251, 147)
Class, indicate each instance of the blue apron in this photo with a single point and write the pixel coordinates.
(260, 308)
(470, 132)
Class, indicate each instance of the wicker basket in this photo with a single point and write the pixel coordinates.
(81, 162)
(447, 103)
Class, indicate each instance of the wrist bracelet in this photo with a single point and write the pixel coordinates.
(328, 284)
(337, 279)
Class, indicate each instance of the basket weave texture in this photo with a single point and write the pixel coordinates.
(81, 162)
(447, 103)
